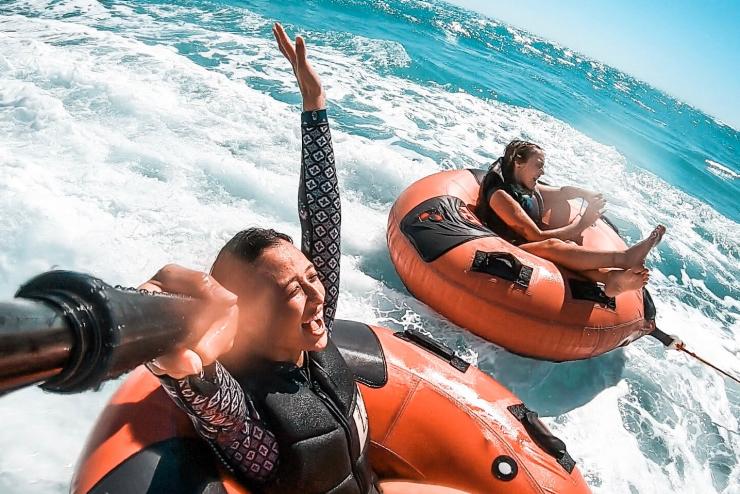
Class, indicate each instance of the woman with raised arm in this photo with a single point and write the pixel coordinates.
(512, 202)
(261, 380)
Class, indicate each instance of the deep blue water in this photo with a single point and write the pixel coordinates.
(463, 51)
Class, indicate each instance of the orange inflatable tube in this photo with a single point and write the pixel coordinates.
(526, 304)
(433, 419)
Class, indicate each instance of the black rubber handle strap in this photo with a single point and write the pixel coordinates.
(433, 346)
(541, 435)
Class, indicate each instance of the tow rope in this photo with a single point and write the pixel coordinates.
(673, 342)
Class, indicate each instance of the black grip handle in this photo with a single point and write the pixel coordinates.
(88, 330)
(35, 341)
(542, 435)
(662, 337)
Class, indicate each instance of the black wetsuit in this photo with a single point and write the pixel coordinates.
(530, 201)
(284, 428)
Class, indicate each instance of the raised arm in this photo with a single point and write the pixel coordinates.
(319, 205)
(215, 402)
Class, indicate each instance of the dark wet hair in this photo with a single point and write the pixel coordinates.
(249, 244)
(516, 150)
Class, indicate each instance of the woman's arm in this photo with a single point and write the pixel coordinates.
(552, 194)
(319, 206)
(518, 220)
(202, 388)
(197, 383)
(221, 414)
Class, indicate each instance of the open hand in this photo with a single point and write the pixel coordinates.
(593, 196)
(213, 329)
(308, 80)
(594, 210)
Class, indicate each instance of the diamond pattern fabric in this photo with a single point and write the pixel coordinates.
(215, 402)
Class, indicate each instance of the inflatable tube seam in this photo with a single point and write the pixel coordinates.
(389, 451)
(403, 406)
(475, 416)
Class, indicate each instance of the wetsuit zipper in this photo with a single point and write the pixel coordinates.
(347, 429)
(343, 422)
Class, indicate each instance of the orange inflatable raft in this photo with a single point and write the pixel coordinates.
(433, 419)
(526, 304)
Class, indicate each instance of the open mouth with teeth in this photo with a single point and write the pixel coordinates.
(315, 325)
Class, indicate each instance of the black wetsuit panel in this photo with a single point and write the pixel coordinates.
(220, 410)
(530, 202)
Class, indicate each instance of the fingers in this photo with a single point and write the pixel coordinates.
(300, 48)
(286, 47)
(597, 201)
(150, 286)
(214, 342)
(219, 338)
(177, 364)
(212, 330)
(280, 46)
(596, 197)
(197, 284)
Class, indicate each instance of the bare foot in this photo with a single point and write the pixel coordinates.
(620, 281)
(635, 255)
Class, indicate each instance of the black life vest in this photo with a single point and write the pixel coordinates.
(531, 203)
(320, 421)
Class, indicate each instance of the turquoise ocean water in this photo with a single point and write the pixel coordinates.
(138, 133)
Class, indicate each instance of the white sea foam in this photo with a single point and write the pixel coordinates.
(721, 170)
(119, 155)
(621, 86)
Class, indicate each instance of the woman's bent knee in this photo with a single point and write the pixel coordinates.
(554, 243)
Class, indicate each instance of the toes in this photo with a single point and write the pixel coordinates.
(659, 232)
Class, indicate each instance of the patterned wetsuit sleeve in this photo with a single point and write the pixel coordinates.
(221, 413)
(319, 206)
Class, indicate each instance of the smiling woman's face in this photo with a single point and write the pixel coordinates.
(526, 173)
(281, 303)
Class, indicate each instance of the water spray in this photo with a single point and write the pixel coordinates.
(673, 342)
